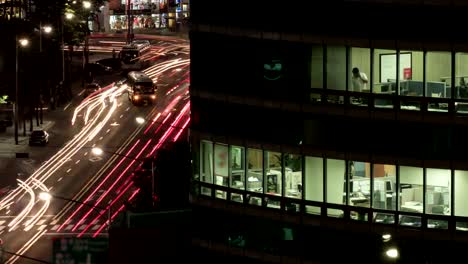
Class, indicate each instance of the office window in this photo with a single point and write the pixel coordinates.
(313, 179)
(461, 195)
(206, 161)
(336, 67)
(255, 170)
(273, 173)
(359, 183)
(293, 175)
(438, 76)
(237, 166)
(221, 164)
(411, 190)
(385, 71)
(438, 191)
(384, 187)
(461, 75)
(316, 67)
(411, 78)
(335, 180)
(360, 59)
(206, 165)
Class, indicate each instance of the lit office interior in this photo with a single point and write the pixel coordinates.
(438, 75)
(285, 181)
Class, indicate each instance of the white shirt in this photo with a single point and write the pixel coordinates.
(358, 83)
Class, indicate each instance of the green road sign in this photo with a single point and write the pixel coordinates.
(72, 250)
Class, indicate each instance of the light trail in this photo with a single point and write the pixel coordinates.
(15, 222)
(97, 188)
(134, 159)
(117, 212)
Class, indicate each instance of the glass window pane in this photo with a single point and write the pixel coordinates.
(384, 71)
(314, 179)
(206, 161)
(237, 167)
(384, 191)
(461, 75)
(411, 189)
(360, 59)
(293, 175)
(438, 72)
(461, 195)
(336, 181)
(221, 164)
(255, 170)
(316, 75)
(438, 191)
(411, 78)
(359, 183)
(273, 173)
(336, 67)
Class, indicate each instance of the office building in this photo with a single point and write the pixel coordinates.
(294, 155)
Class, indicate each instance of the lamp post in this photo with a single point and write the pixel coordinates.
(18, 43)
(47, 29)
(47, 196)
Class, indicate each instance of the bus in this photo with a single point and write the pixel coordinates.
(131, 53)
(140, 88)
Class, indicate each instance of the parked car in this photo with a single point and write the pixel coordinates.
(91, 88)
(38, 137)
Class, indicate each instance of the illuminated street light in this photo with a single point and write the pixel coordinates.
(386, 237)
(47, 29)
(86, 4)
(392, 253)
(24, 42)
(69, 15)
(140, 120)
(98, 152)
(47, 196)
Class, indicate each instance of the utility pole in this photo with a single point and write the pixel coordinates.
(129, 22)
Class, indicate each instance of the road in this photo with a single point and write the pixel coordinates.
(106, 120)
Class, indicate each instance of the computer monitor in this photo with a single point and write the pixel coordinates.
(389, 186)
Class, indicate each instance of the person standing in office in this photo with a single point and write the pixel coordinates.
(359, 80)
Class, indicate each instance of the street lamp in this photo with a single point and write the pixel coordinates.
(98, 152)
(69, 16)
(47, 30)
(86, 4)
(22, 42)
(47, 196)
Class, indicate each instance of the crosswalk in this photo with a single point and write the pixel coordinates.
(52, 226)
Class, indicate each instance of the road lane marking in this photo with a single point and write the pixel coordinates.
(95, 227)
(41, 222)
(41, 227)
(59, 179)
(54, 222)
(69, 227)
(78, 161)
(2, 222)
(55, 227)
(68, 170)
(82, 227)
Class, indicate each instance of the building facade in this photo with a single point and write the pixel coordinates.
(147, 14)
(286, 131)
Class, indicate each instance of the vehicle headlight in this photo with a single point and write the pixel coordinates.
(136, 97)
(153, 96)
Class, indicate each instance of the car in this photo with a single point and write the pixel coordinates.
(99, 68)
(38, 137)
(91, 88)
(141, 41)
